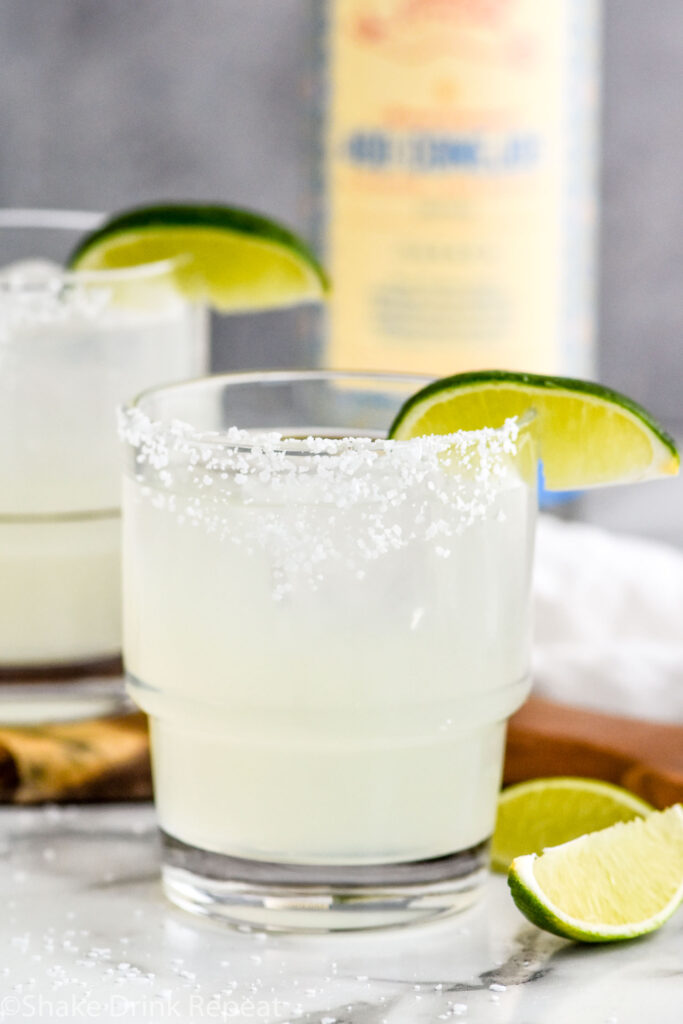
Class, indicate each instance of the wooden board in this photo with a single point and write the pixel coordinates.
(107, 759)
(545, 738)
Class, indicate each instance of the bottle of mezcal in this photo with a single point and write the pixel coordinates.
(455, 182)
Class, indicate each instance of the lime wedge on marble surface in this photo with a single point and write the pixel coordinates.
(234, 259)
(547, 812)
(589, 435)
(619, 883)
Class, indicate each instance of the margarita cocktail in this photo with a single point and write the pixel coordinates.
(329, 631)
(72, 346)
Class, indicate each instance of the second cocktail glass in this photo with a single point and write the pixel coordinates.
(329, 632)
(72, 346)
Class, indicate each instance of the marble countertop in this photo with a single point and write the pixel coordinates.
(86, 933)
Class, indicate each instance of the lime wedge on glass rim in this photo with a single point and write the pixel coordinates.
(619, 883)
(589, 435)
(233, 259)
(547, 812)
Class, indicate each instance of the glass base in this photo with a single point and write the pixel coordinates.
(320, 898)
(35, 695)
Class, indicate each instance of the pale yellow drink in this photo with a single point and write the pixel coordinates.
(72, 347)
(353, 723)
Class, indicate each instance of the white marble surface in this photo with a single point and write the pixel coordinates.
(85, 934)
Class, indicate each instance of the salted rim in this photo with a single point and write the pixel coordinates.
(238, 439)
(390, 493)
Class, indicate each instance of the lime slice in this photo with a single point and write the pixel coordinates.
(589, 435)
(615, 884)
(547, 812)
(234, 259)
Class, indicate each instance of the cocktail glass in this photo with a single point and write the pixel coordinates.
(329, 632)
(72, 347)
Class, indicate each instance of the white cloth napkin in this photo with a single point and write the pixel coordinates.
(608, 621)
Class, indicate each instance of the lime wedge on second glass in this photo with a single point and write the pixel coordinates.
(546, 812)
(619, 883)
(589, 435)
(234, 259)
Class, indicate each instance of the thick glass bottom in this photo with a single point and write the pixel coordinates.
(320, 898)
(31, 695)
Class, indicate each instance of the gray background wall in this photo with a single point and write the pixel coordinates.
(105, 103)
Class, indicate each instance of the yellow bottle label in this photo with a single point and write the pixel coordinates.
(458, 148)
